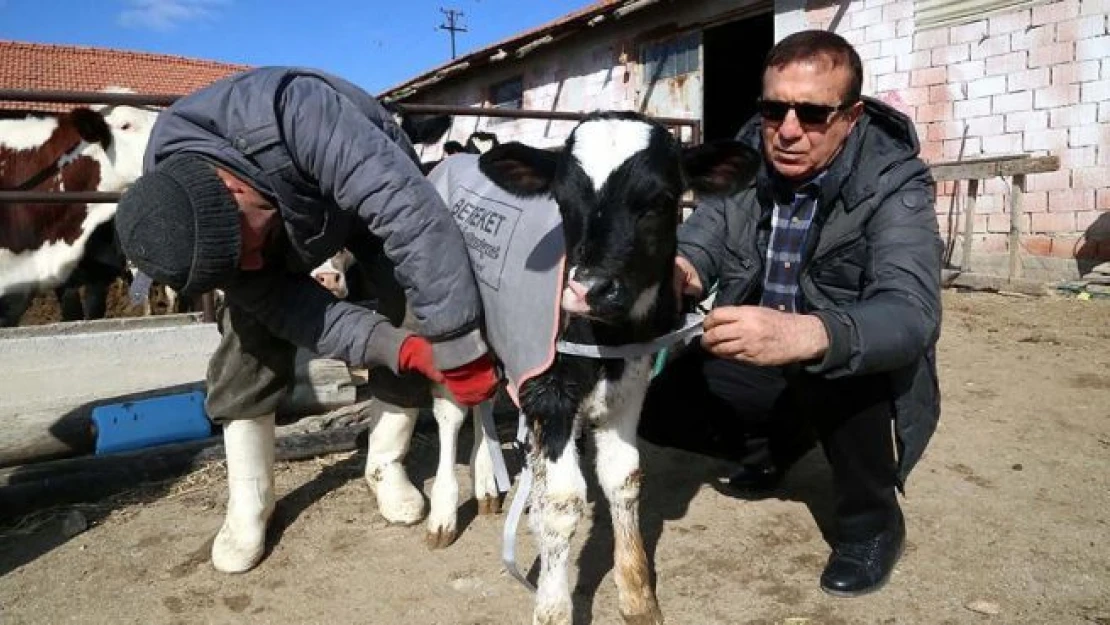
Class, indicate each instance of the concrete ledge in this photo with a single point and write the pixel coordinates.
(101, 325)
(49, 381)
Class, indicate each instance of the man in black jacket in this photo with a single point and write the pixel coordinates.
(826, 276)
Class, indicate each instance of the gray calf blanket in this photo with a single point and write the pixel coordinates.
(517, 252)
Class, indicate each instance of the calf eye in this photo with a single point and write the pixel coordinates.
(125, 126)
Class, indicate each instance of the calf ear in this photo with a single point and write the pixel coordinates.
(519, 169)
(91, 126)
(425, 130)
(720, 167)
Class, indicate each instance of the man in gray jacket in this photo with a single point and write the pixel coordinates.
(249, 184)
(827, 306)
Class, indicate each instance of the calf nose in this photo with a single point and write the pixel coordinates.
(332, 282)
(607, 291)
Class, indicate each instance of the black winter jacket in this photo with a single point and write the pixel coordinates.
(870, 269)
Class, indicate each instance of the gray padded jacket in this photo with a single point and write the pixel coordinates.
(337, 166)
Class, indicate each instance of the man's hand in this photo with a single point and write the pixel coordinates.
(474, 382)
(416, 356)
(686, 281)
(764, 337)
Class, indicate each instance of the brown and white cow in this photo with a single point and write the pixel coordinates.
(63, 246)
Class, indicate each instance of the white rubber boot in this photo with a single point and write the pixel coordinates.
(249, 445)
(398, 500)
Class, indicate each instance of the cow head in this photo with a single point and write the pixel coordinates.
(420, 129)
(481, 142)
(121, 150)
(617, 182)
(453, 147)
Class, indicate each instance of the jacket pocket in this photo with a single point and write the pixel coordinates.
(841, 273)
(737, 280)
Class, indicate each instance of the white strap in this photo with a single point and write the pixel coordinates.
(140, 288)
(489, 432)
(516, 509)
(691, 327)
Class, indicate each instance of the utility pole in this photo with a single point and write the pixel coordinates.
(451, 26)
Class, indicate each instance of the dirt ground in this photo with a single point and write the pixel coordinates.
(1008, 512)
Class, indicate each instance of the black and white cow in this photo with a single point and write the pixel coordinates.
(617, 183)
(478, 142)
(64, 246)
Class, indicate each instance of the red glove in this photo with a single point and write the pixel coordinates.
(474, 382)
(416, 355)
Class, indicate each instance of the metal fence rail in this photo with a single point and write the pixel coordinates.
(137, 99)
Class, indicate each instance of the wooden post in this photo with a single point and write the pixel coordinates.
(208, 307)
(1017, 192)
(969, 223)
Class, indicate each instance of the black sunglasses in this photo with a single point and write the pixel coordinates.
(808, 113)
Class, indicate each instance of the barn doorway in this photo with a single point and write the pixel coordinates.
(734, 54)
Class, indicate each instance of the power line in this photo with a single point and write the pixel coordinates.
(451, 26)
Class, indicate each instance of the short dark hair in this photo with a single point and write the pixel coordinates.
(809, 44)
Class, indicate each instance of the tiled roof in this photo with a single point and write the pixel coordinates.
(77, 68)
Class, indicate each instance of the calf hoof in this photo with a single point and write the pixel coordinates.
(440, 538)
(398, 500)
(652, 617)
(640, 608)
(559, 617)
(490, 504)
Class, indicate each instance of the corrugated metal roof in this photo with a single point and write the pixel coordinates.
(521, 44)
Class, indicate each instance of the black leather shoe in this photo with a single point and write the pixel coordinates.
(756, 477)
(857, 568)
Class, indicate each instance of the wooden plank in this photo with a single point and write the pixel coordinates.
(89, 478)
(969, 223)
(1017, 193)
(994, 284)
(320, 384)
(982, 169)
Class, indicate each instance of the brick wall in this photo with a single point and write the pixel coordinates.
(1033, 80)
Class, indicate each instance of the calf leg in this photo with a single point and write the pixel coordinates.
(481, 464)
(443, 518)
(12, 308)
(95, 304)
(398, 500)
(69, 299)
(558, 500)
(618, 471)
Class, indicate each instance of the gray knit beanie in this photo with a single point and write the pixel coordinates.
(179, 224)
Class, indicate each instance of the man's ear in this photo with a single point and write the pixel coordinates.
(232, 182)
(720, 167)
(519, 169)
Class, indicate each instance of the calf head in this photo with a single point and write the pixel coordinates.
(332, 273)
(481, 142)
(618, 181)
(420, 129)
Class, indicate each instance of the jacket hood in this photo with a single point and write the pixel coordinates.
(882, 139)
